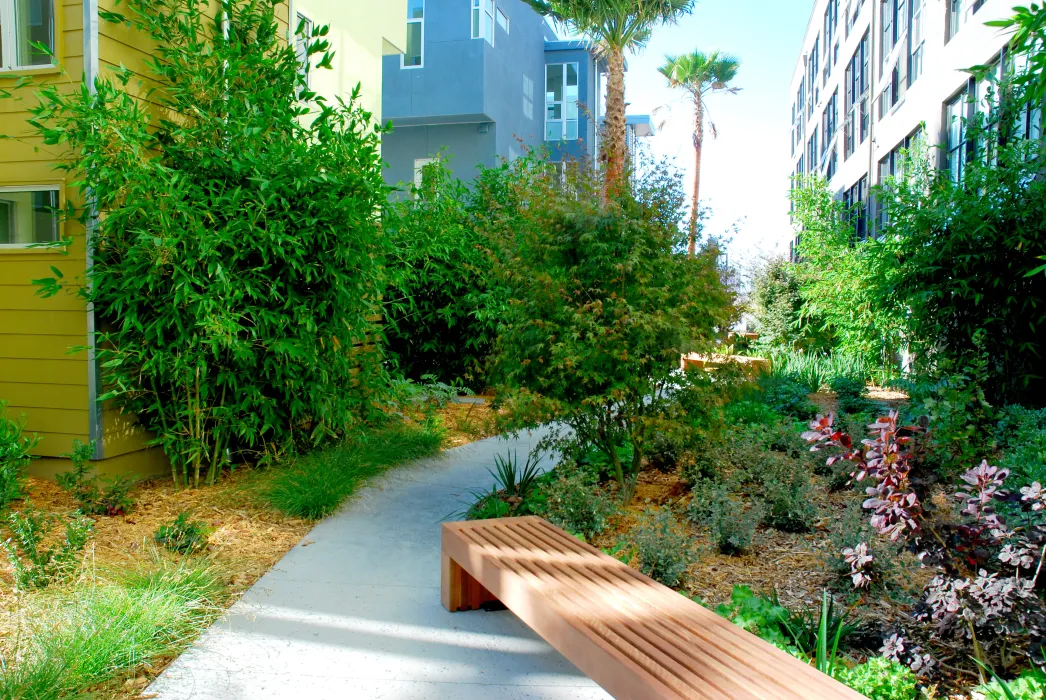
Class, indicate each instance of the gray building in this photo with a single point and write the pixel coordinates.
(483, 79)
(875, 77)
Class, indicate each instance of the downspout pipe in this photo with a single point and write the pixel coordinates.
(95, 427)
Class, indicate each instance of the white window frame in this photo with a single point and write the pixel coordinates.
(303, 57)
(419, 171)
(482, 15)
(564, 102)
(421, 53)
(57, 188)
(503, 20)
(7, 38)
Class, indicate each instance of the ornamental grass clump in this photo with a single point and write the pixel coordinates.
(237, 258)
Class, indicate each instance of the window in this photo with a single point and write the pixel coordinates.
(893, 164)
(812, 69)
(414, 56)
(502, 20)
(891, 94)
(857, 89)
(301, 45)
(956, 113)
(28, 215)
(483, 20)
(853, 11)
(561, 107)
(813, 154)
(829, 121)
(856, 199)
(833, 163)
(831, 26)
(419, 171)
(916, 42)
(22, 24)
(959, 13)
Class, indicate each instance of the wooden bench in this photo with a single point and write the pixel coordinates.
(638, 639)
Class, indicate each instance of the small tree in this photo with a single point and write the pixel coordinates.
(237, 255)
(616, 26)
(601, 308)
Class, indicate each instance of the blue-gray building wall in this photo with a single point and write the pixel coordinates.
(463, 83)
(587, 84)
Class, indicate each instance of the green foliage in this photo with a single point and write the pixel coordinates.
(574, 501)
(95, 496)
(95, 632)
(1030, 685)
(443, 305)
(237, 246)
(851, 529)
(1028, 25)
(880, 678)
(789, 501)
(776, 304)
(851, 394)
(761, 615)
(1021, 435)
(663, 453)
(515, 480)
(731, 527)
(314, 485)
(662, 550)
(960, 418)
(14, 456)
(183, 535)
(34, 562)
(515, 489)
(751, 413)
(787, 395)
(844, 286)
(602, 305)
(960, 253)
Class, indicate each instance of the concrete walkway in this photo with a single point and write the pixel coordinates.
(353, 611)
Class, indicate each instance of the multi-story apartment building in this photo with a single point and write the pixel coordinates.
(57, 390)
(875, 77)
(467, 87)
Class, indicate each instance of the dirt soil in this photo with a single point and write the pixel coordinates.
(247, 539)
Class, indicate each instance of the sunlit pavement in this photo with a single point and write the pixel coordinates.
(353, 611)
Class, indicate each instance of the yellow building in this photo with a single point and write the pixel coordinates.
(40, 377)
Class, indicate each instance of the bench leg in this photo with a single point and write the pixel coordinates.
(461, 591)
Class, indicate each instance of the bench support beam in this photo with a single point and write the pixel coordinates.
(460, 590)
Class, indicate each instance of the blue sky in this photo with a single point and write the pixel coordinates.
(744, 173)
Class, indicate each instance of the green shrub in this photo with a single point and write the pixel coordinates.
(238, 256)
(1021, 435)
(183, 535)
(789, 502)
(35, 565)
(758, 614)
(731, 527)
(881, 679)
(14, 456)
(602, 305)
(314, 485)
(1030, 685)
(750, 413)
(1018, 425)
(662, 551)
(788, 396)
(776, 304)
(95, 632)
(93, 495)
(851, 529)
(514, 492)
(573, 500)
(851, 394)
(663, 454)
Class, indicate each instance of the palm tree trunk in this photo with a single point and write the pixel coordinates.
(614, 143)
(699, 135)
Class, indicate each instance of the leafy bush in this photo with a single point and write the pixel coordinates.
(730, 526)
(851, 394)
(787, 396)
(1030, 685)
(80, 638)
(1021, 435)
(183, 535)
(850, 531)
(35, 565)
(444, 304)
(1018, 425)
(663, 552)
(574, 501)
(750, 413)
(761, 615)
(602, 305)
(663, 454)
(93, 495)
(789, 502)
(776, 305)
(880, 678)
(238, 257)
(961, 417)
(14, 456)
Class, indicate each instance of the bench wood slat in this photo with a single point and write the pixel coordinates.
(635, 637)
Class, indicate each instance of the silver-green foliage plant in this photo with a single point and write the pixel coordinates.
(662, 550)
(36, 564)
(575, 502)
(731, 527)
(234, 222)
(14, 456)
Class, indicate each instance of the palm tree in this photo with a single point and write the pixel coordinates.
(616, 26)
(700, 74)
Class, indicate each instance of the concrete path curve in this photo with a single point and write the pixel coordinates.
(353, 611)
